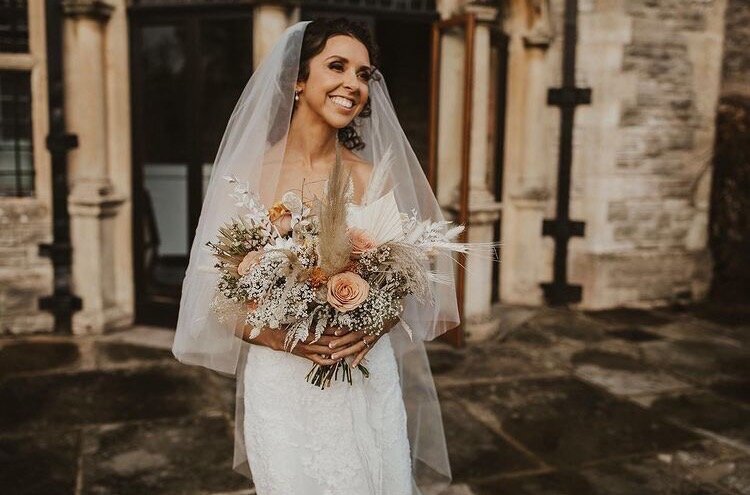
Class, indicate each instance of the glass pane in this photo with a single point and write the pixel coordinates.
(16, 151)
(14, 26)
(166, 184)
(165, 94)
(206, 173)
(226, 66)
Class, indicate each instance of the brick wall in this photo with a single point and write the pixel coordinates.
(24, 276)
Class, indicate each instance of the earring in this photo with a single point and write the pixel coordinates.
(296, 95)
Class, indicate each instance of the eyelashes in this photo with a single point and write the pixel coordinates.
(338, 66)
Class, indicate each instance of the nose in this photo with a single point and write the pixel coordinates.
(350, 80)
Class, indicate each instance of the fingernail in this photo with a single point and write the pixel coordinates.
(336, 332)
(330, 344)
(334, 356)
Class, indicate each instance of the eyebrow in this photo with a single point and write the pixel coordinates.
(344, 59)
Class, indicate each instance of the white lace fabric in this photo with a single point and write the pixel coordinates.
(347, 439)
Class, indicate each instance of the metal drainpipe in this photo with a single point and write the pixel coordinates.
(62, 303)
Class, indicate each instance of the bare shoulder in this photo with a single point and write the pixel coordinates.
(359, 166)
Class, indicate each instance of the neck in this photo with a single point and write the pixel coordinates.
(311, 140)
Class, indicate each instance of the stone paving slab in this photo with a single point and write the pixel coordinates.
(181, 455)
(705, 467)
(622, 374)
(39, 464)
(705, 411)
(475, 450)
(701, 362)
(94, 397)
(32, 356)
(568, 423)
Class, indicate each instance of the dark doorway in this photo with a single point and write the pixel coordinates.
(188, 67)
(729, 234)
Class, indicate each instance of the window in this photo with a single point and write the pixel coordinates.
(14, 26)
(16, 149)
(16, 157)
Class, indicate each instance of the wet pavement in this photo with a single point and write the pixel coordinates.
(620, 402)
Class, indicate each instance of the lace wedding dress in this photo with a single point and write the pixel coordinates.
(342, 440)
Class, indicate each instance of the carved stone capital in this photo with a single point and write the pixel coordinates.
(485, 11)
(541, 32)
(483, 209)
(100, 10)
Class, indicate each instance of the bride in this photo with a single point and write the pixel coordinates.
(318, 93)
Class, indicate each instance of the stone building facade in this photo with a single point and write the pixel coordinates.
(641, 173)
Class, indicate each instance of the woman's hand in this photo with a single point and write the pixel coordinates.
(354, 343)
(318, 352)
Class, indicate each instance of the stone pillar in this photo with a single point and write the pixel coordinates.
(484, 211)
(93, 203)
(269, 23)
(525, 256)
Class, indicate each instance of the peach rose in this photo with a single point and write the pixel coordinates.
(249, 261)
(360, 240)
(281, 218)
(284, 223)
(346, 291)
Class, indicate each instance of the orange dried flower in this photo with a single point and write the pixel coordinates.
(277, 210)
(318, 277)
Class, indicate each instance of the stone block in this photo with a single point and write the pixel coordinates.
(568, 423)
(183, 455)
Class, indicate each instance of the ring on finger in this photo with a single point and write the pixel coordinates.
(366, 343)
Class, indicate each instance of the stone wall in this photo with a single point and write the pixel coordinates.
(736, 63)
(24, 276)
(642, 149)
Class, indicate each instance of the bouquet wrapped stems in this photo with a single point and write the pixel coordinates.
(322, 374)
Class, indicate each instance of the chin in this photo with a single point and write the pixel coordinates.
(338, 123)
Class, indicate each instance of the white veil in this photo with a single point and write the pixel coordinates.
(255, 137)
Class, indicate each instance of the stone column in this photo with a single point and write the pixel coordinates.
(484, 211)
(526, 257)
(93, 203)
(269, 23)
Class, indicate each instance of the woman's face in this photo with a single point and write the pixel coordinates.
(336, 88)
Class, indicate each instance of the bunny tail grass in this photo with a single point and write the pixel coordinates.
(335, 248)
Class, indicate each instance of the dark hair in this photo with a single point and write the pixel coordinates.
(314, 41)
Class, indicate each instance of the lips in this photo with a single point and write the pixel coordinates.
(343, 102)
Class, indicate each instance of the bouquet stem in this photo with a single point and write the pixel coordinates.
(321, 375)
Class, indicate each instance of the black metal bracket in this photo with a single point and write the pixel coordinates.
(61, 143)
(61, 303)
(563, 229)
(568, 97)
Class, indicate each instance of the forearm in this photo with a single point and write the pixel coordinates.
(266, 337)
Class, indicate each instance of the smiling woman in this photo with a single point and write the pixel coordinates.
(314, 112)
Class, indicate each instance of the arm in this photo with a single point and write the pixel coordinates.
(274, 340)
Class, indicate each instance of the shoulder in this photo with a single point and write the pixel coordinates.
(359, 166)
